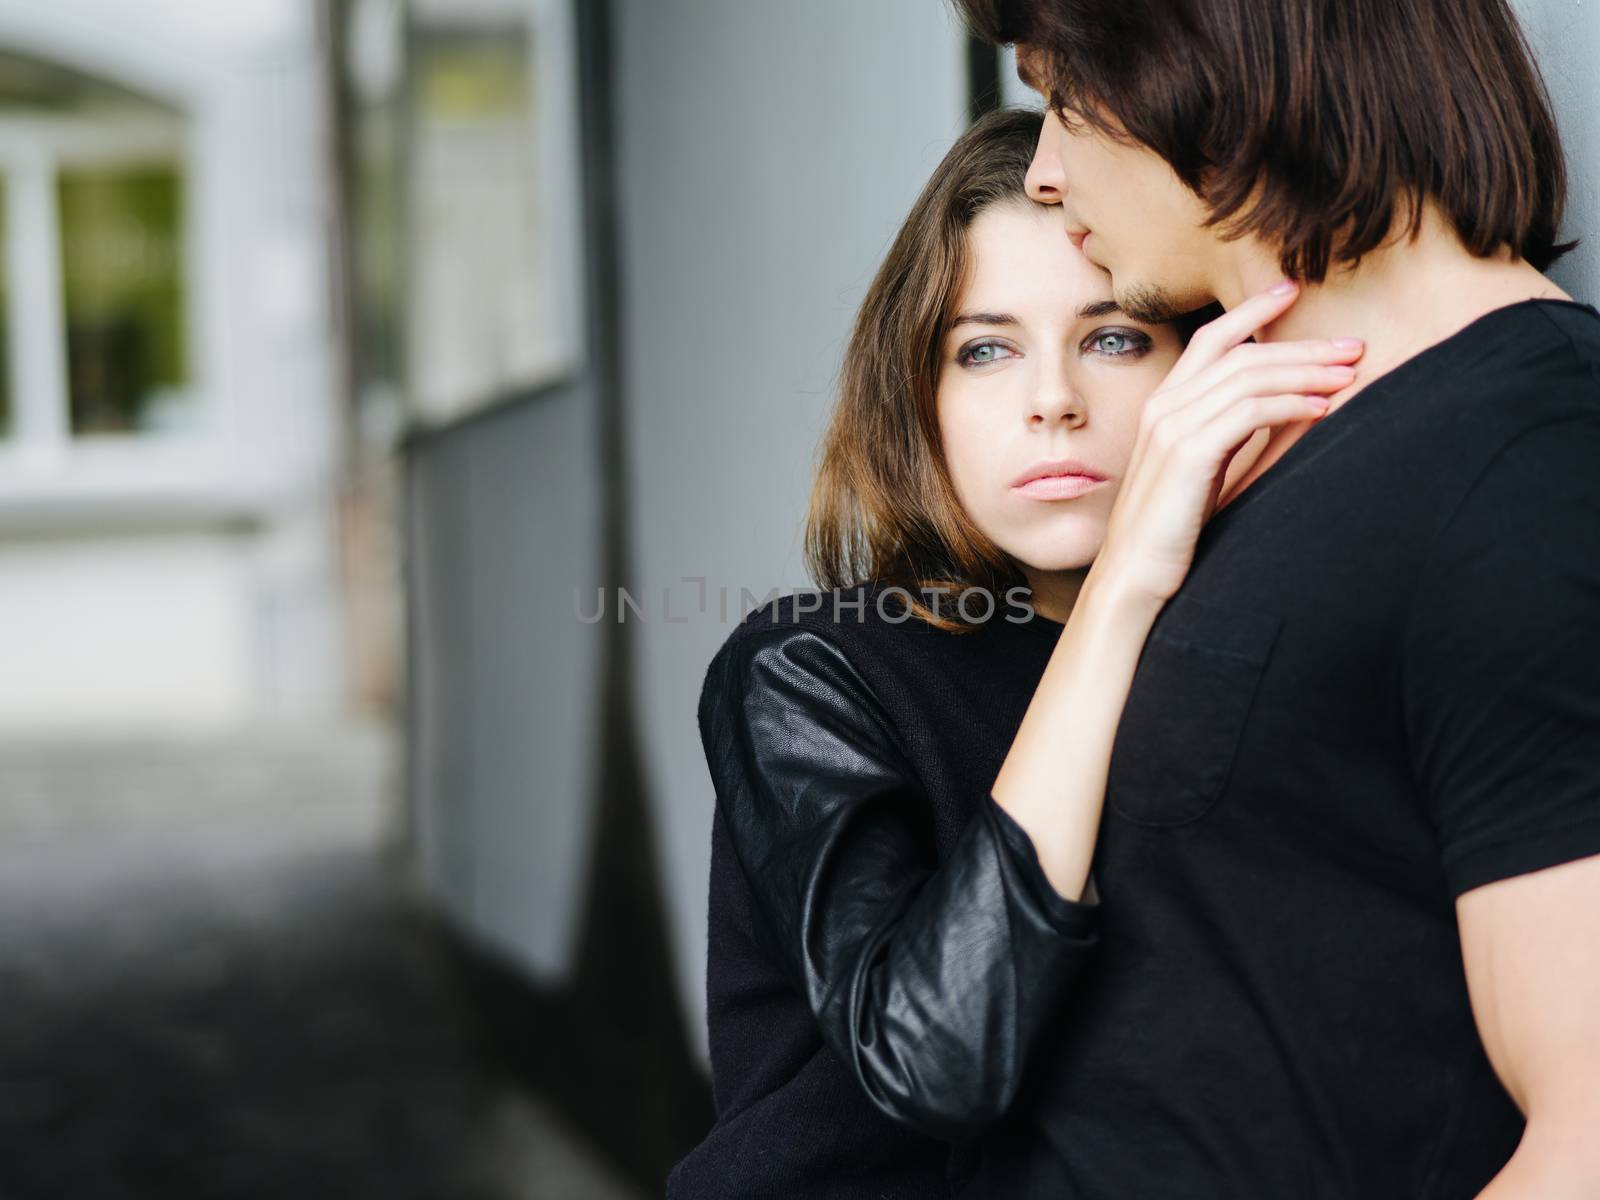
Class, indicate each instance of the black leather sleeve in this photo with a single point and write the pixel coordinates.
(933, 981)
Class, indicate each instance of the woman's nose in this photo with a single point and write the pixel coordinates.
(1056, 401)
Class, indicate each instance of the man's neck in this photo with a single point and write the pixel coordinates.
(1401, 299)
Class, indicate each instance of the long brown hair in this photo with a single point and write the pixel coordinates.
(883, 507)
(1315, 125)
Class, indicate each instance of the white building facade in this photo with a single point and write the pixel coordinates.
(169, 433)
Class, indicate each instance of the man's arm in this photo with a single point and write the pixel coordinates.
(1532, 949)
(1502, 700)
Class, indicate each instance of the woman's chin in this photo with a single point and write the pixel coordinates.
(1058, 558)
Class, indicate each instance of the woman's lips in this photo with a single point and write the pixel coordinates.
(1058, 487)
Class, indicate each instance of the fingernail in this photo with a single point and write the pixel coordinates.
(1284, 288)
(1348, 343)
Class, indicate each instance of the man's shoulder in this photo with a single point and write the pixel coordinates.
(1515, 379)
(1528, 365)
(1563, 367)
(1578, 325)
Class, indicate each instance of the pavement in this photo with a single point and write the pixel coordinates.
(217, 982)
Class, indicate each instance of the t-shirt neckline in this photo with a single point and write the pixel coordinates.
(1340, 418)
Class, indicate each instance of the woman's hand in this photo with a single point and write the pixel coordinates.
(1218, 394)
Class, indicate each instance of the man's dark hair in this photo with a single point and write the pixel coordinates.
(1314, 124)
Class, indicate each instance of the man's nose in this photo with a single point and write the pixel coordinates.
(1046, 182)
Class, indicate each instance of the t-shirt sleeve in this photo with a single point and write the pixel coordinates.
(1501, 662)
(933, 980)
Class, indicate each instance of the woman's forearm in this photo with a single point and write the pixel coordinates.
(1053, 780)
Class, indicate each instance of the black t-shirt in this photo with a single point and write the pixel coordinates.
(1378, 688)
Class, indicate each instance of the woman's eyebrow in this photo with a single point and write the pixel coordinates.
(1092, 311)
(984, 318)
(1096, 309)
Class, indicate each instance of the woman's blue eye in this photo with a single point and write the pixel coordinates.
(981, 353)
(1119, 343)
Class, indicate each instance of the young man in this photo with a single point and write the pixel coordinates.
(1350, 865)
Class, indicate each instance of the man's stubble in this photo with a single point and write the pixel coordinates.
(1151, 304)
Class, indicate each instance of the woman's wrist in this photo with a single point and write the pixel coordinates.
(1112, 599)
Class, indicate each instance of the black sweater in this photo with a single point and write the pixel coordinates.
(885, 954)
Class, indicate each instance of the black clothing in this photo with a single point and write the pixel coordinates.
(885, 950)
(1378, 688)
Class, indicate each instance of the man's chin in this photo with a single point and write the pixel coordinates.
(1147, 302)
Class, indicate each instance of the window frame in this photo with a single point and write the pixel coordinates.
(42, 462)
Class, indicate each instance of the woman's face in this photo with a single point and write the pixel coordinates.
(1040, 367)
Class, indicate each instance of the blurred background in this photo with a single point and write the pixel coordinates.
(400, 400)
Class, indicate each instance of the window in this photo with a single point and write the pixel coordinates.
(94, 296)
(122, 284)
(494, 292)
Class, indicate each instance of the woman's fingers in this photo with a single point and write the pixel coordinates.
(1220, 394)
(1223, 435)
(1251, 355)
(1215, 338)
(1171, 489)
(1266, 380)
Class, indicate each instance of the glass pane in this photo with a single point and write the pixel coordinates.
(122, 274)
(5, 322)
(375, 67)
(476, 322)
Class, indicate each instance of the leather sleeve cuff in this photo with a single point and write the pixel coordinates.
(1074, 918)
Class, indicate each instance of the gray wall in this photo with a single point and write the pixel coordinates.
(769, 151)
(1566, 36)
(503, 524)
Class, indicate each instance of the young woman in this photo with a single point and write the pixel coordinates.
(909, 770)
